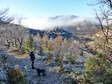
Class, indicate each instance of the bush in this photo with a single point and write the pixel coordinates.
(72, 60)
(29, 45)
(15, 76)
(49, 59)
(98, 70)
(58, 59)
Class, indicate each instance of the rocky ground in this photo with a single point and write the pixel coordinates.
(31, 74)
(52, 70)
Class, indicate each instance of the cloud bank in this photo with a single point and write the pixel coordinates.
(46, 23)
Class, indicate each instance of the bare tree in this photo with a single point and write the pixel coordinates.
(11, 35)
(105, 19)
(4, 18)
(105, 3)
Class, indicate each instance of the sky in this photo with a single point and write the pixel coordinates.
(42, 9)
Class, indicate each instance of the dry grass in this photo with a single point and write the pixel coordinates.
(23, 56)
(19, 55)
(16, 51)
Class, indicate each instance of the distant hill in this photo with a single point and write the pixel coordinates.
(70, 23)
(69, 26)
(64, 17)
(74, 24)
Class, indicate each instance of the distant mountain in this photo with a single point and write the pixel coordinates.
(67, 27)
(65, 21)
(74, 24)
(82, 27)
(64, 17)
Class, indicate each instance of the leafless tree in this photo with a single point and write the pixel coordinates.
(105, 3)
(105, 19)
(4, 18)
(11, 35)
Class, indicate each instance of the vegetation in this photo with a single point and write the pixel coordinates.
(29, 44)
(98, 70)
(15, 76)
(72, 58)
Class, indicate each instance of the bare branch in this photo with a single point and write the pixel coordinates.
(4, 18)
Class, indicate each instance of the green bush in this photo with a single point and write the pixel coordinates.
(29, 45)
(98, 70)
(71, 59)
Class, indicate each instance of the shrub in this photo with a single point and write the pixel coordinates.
(29, 45)
(72, 60)
(98, 70)
(49, 59)
(15, 76)
(59, 60)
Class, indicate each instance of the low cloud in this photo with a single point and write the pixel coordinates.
(46, 23)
